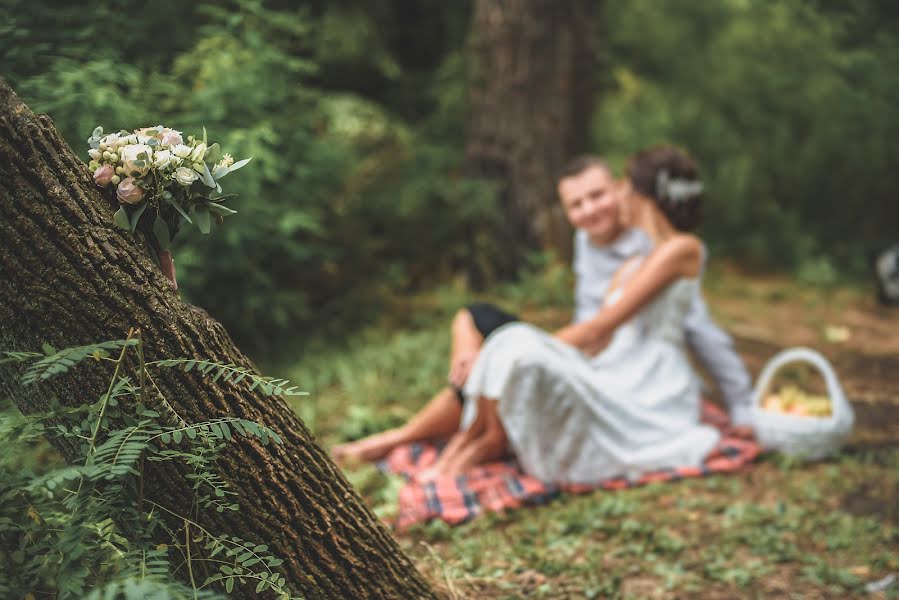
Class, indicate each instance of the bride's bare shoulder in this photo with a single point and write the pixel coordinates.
(684, 252)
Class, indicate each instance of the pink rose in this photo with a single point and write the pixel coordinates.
(170, 137)
(103, 175)
(129, 192)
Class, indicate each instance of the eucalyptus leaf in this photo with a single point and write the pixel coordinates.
(161, 231)
(121, 218)
(219, 171)
(218, 209)
(135, 216)
(206, 177)
(201, 216)
(213, 154)
(239, 164)
(174, 202)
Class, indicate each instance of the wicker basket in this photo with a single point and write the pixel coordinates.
(807, 437)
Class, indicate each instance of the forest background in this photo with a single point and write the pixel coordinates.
(356, 116)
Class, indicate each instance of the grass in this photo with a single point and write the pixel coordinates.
(777, 530)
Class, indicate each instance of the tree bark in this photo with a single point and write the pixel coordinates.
(69, 277)
(531, 99)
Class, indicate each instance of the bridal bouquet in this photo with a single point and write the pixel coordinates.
(155, 168)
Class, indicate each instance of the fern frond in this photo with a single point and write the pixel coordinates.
(218, 429)
(17, 357)
(117, 455)
(231, 372)
(62, 361)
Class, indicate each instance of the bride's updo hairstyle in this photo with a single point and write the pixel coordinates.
(669, 177)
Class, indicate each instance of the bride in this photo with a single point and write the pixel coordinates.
(613, 395)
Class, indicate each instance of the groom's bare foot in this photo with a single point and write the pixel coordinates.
(368, 449)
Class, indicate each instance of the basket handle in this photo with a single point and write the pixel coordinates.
(807, 355)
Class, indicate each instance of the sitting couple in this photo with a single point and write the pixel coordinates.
(612, 394)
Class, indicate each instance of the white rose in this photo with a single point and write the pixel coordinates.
(161, 158)
(199, 151)
(181, 151)
(185, 176)
(132, 163)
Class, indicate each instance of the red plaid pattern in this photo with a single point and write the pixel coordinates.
(499, 486)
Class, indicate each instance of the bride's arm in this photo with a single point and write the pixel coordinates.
(679, 256)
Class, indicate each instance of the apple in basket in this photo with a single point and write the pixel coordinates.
(794, 401)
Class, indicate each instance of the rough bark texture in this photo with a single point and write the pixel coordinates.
(531, 99)
(69, 277)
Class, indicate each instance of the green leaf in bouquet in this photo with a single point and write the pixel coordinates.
(239, 164)
(174, 202)
(151, 132)
(152, 142)
(213, 154)
(98, 131)
(135, 216)
(219, 171)
(141, 156)
(218, 209)
(120, 218)
(204, 134)
(161, 231)
(201, 216)
(206, 177)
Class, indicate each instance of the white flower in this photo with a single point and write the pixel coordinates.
(94, 154)
(227, 160)
(199, 151)
(185, 176)
(136, 159)
(161, 158)
(181, 150)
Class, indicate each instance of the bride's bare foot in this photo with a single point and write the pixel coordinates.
(371, 448)
(454, 446)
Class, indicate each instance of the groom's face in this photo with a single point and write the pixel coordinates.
(591, 203)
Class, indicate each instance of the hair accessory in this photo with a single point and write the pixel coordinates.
(676, 190)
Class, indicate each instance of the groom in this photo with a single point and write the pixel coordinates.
(603, 241)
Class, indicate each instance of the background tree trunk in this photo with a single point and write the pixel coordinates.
(69, 277)
(531, 99)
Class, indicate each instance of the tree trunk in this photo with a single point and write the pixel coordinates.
(69, 277)
(531, 100)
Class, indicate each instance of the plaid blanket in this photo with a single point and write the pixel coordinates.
(499, 486)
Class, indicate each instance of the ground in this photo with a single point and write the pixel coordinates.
(781, 529)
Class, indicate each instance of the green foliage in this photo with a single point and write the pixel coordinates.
(356, 113)
(788, 107)
(85, 529)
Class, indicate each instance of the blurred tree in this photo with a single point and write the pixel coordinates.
(531, 99)
(70, 277)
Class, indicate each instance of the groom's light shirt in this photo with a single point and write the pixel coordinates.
(595, 266)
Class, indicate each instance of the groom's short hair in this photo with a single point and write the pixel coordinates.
(579, 164)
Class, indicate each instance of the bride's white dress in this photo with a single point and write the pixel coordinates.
(572, 418)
